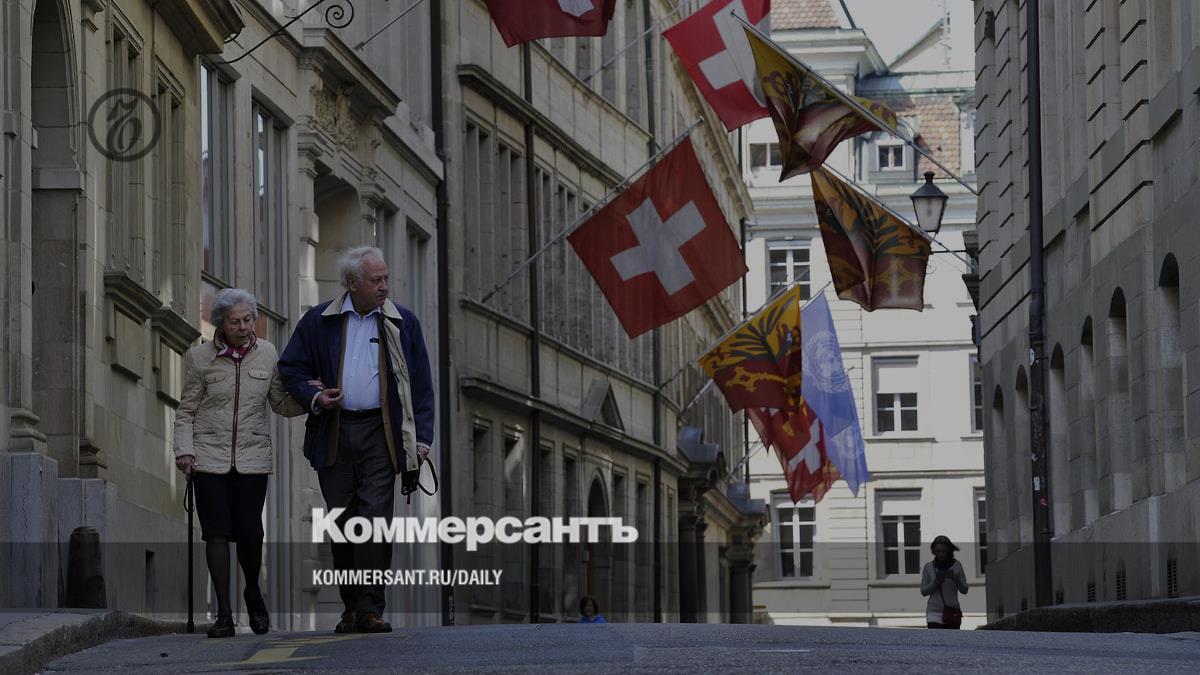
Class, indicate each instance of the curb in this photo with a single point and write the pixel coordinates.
(1135, 616)
(37, 653)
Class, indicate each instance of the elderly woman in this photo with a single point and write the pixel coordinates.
(223, 445)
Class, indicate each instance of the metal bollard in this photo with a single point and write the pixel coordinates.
(85, 570)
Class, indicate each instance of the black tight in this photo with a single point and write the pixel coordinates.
(249, 555)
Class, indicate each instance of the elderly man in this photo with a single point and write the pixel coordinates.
(372, 421)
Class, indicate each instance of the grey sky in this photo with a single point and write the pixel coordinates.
(894, 25)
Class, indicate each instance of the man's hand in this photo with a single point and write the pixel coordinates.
(186, 464)
(422, 453)
(329, 399)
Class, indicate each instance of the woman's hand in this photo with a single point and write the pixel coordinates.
(186, 464)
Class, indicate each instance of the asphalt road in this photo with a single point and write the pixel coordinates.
(648, 647)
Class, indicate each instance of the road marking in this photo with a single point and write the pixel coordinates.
(784, 651)
(281, 651)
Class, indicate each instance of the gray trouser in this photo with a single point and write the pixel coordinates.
(361, 481)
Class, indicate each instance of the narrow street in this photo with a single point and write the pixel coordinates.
(650, 647)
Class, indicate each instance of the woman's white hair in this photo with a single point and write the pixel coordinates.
(350, 266)
(228, 298)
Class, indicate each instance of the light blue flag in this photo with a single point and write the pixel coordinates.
(827, 391)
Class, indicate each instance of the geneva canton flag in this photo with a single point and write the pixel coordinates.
(827, 392)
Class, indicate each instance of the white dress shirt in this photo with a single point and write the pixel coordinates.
(360, 366)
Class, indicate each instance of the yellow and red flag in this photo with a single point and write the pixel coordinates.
(758, 365)
(809, 117)
(877, 260)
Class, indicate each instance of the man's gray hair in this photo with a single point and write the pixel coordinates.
(228, 298)
(350, 266)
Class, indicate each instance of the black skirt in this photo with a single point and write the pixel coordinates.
(230, 505)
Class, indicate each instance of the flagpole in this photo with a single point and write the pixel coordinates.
(613, 59)
(883, 126)
(587, 214)
(861, 190)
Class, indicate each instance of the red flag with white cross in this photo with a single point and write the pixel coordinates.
(713, 48)
(798, 439)
(524, 20)
(662, 247)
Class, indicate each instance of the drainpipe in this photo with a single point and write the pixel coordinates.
(535, 340)
(1042, 526)
(445, 385)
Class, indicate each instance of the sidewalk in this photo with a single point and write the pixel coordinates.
(32, 638)
(1130, 616)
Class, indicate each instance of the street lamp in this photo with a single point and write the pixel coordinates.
(930, 204)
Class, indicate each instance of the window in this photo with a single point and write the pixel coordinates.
(168, 274)
(899, 532)
(270, 211)
(789, 263)
(976, 395)
(891, 156)
(966, 142)
(765, 156)
(797, 530)
(416, 269)
(895, 400)
(981, 531)
(126, 233)
(216, 167)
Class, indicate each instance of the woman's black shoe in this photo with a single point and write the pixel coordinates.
(222, 627)
(260, 619)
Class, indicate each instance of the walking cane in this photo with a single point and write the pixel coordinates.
(189, 505)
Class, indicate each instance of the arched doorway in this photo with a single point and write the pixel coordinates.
(599, 554)
(54, 239)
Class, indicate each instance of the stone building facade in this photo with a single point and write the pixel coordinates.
(856, 560)
(286, 136)
(1119, 124)
(269, 148)
(556, 411)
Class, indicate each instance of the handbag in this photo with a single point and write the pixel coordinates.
(951, 616)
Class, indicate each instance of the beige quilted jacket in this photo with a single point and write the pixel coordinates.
(213, 388)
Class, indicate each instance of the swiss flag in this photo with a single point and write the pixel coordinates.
(712, 46)
(524, 20)
(663, 247)
(799, 441)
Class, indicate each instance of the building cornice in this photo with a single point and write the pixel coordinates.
(479, 80)
(483, 389)
(202, 26)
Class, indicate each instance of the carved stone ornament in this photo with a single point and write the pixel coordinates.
(333, 115)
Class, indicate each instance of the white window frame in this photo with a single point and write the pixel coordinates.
(797, 548)
(891, 146)
(904, 507)
(898, 404)
(791, 265)
(772, 148)
(977, 408)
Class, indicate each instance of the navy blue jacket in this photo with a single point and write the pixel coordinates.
(315, 352)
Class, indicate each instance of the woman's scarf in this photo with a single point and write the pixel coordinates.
(943, 565)
(235, 353)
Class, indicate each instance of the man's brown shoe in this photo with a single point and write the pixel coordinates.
(372, 623)
(348, 624)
